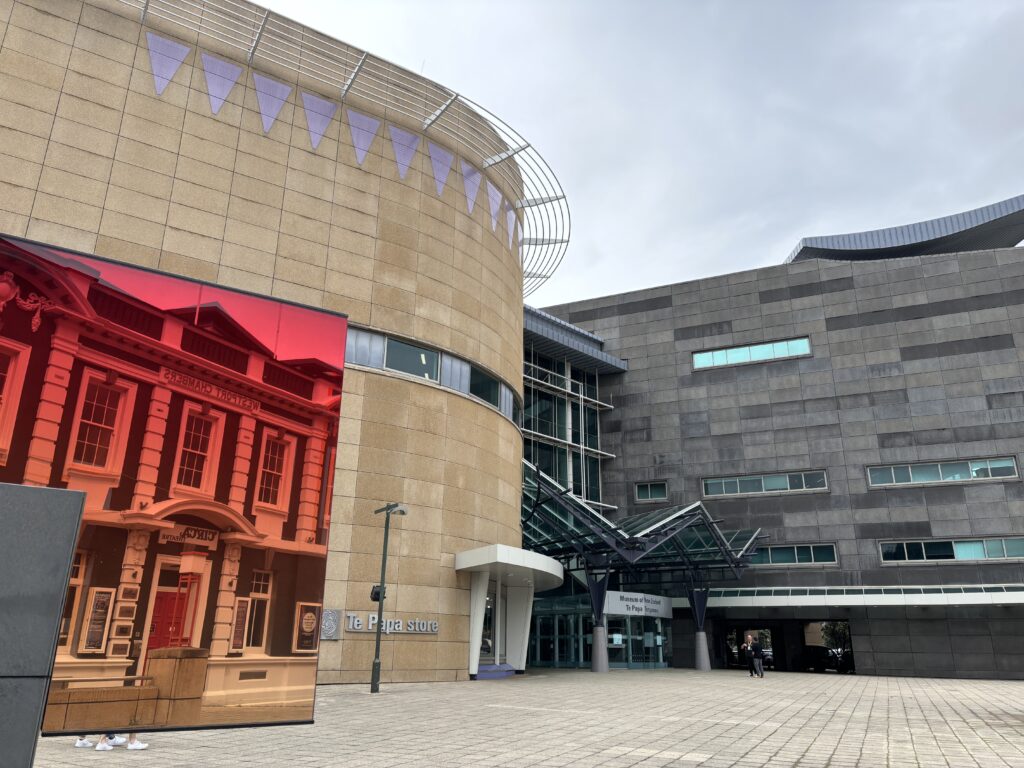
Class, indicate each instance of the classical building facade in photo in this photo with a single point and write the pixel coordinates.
(861, 405)
(234, 146)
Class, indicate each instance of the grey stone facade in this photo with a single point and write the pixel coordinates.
(913, 359)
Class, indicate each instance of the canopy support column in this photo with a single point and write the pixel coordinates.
(698, 598)
(597, 585)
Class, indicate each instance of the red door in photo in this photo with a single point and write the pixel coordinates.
(170, 626)
(168, 616)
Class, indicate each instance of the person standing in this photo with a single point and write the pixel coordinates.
(757, 656)
(748, 653)
(108, 742)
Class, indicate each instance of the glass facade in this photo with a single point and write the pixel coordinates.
(754, 353)
(561, 423)
(965, 471)
(562, 635)
(777, 483)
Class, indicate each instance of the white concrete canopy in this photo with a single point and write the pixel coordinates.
(517, 574)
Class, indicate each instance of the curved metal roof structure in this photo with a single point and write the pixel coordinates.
(1000, 225)
(435, 111)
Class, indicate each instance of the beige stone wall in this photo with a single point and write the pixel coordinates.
(457, 468)
(92, 159)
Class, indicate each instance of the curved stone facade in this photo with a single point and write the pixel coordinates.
(93, 158)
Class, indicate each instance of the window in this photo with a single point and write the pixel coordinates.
(960, 471)
(71, 602)
(957, 549)
(545, 414)
(13, 360)
(416, 361)
(198, 450)
(105, 404)
(789, 482)
(195, 450)
(757, 353)
(273, 488)
(797, 554)
(657, 491)
(96, 425)
(484, 386)
(251, 612)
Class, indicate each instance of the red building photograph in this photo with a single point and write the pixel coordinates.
(201, 425)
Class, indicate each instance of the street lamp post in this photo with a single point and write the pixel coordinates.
(388, 510)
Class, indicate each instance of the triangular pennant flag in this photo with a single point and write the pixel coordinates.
(404, 144)
(271, 95)
(165, 57)
(221, 77)
(363, 129)
(441, 161)
(471, 183)
(319, 113)
(494, 198)
(510, 224)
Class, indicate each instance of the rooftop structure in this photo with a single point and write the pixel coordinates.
(345, 72)
(1000, 225)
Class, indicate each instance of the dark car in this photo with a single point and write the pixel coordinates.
(818, 658)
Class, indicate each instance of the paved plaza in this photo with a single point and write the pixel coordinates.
(624, 718)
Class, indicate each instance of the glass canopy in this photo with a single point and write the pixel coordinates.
(678, 538)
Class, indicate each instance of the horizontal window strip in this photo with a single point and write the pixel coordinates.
(963, 550)
(959, 471)
(816, 288)
(795, 554)
(762, 352)
(783, 482)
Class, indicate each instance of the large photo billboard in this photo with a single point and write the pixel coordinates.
(201, 423)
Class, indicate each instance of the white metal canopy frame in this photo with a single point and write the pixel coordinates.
(438, 112)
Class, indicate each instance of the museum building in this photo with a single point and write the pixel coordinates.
(860, 406)
(231, 145)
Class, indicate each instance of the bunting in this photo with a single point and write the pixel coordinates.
(510, 223)
(471, 184)
(494, 198)
(404, 144)
(441, 162)
(165, 58)
(271, 95)
(221, 77)
(319, 113)
(363, 129)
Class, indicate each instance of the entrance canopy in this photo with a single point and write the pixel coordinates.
(678, 538)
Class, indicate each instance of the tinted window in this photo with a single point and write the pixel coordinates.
(416, 361)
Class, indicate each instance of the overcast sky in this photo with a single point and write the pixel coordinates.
(700, 137)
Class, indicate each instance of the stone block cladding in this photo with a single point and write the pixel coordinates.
(93, 159)
(913, 360)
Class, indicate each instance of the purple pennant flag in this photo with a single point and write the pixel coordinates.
(471, 183)
(510, 224)
(364, 130)
(271, 95)
(221, 77)
(494, 198)
(441, 161)
(165, 57)
(404, 144)
(319, 113)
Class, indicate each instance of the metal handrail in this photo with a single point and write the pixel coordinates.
(443, 115)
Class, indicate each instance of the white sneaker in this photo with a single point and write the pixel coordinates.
(102, 747)
(83, 743)
(137, 745)
(117, 741)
